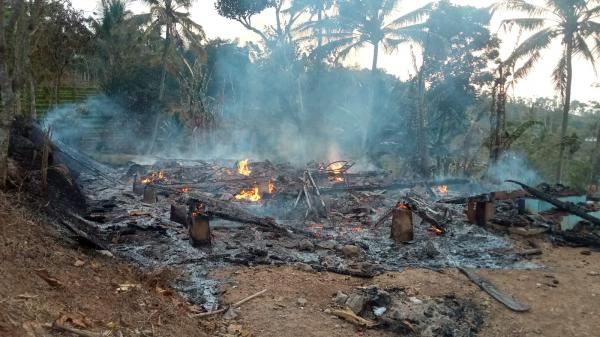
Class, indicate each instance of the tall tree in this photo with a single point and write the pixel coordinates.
(6, 86)
(573, 23)
(369, 22)
(172, 17)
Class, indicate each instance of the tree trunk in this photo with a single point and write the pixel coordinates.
(320, 29)
(566, 109)
(595, 171)
(375, 56)
(7, 97)
(161, 92)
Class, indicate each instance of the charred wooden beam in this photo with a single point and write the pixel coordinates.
(394, 185)
(566, 206)
(228, 211)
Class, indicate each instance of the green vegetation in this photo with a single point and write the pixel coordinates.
(156, 79)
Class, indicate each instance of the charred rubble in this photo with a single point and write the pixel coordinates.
(194, 215)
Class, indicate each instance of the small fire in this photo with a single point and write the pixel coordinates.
(336, 172)
(243, 168)
(437, 230)
(272, 188)
(185, 189)
(200, 208)
(442, 189)
(154, 176)
(251, 194)
(402, 205)
(336, 167)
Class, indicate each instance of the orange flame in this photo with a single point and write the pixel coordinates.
(442, 189)
(436, 230)
(154, 176)
(336, 170)
(200, 208)
(336, 167)
(185, 189)
(272, 188)
(251, 194)
(403, 205)
(243, 168)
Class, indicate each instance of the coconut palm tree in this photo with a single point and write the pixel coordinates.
(172, 17)
(573, 23)
(369, 22)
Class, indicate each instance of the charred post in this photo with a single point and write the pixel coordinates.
(402, 223)
(138, 186)
(150, 195)
(179, 214)
(199, 225)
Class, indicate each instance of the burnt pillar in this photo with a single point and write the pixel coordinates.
(402, 224)
(199, 225)
(179, 214)
(150, 195)
(138, 186)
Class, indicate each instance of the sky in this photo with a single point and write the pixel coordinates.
(537, 84)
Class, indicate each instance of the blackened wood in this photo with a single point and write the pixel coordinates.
(566, 206)
(179, 214)
(402, 225)
(496, 293)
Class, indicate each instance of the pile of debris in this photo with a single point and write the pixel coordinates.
(403, 311)
(193, 215)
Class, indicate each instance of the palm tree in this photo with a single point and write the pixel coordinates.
(166, 15)
(368, 22)
(179, 27)
(575, 24)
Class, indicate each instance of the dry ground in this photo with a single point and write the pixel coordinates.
(565, 296)
(84, 290)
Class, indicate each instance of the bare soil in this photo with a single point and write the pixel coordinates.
(83, 287)
(564, 296)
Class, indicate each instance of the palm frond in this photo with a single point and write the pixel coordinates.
(520, 6)
(559, 76)
(411, 18)
(527, 24)
(580, 46)
(535, 43)
(526, 67)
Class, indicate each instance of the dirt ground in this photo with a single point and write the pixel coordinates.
(564, 297)
(45, 278)
(82, 290)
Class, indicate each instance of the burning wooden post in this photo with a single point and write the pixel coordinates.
(179, 214)
(402, 223)
(150, 195)
(199, 225)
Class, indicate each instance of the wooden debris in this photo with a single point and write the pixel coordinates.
(496, 293)
(234, 305)
(45, 275)
(348, 315)
(78, 332)
(566, 206)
